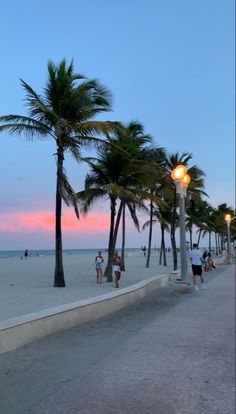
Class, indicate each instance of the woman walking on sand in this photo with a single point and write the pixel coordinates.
(98, 264)
(116, 268)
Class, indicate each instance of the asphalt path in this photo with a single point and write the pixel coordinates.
(170, 353)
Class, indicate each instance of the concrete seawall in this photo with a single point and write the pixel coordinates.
(22, 330)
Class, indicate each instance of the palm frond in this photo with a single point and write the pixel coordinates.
(29, 130)
(67, 192)
(95, 127)
(147, 224)
(88, 197)
(132, 209)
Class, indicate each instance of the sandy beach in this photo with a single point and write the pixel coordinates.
(27, 285)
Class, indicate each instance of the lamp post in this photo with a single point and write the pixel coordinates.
(228, 219)
(181, 179)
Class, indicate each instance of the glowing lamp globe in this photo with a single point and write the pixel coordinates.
(186, 179)
(178, 173)
(228, 218)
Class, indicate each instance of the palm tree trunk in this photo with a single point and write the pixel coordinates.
(163, 245)
(191, 237)
(219, 245)
(199, 236)
(216, 242)
(122, 264)
(150, 234)
(222, 242)
(209, 242)
(160, 256)
(108, 270)
(172, 233)
(59, 272)
(117, 224)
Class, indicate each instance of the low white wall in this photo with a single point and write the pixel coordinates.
(19, 331)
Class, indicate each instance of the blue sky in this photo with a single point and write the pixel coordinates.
(169, 64)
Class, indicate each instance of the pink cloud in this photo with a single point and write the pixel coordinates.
(45, 221)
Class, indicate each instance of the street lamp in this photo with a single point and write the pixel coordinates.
(181, 179)
(228, 219)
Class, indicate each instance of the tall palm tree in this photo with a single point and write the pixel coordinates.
(194, 198)
(155, 158)
(64, 112)
(194, 217)
(118, 173)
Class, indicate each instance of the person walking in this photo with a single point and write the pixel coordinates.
(195, 257)
(98, 265)
(116, 268)
(26, 254)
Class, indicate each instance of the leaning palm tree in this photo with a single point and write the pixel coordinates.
(64, 112)
(106, 181)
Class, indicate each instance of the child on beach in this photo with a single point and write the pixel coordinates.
(116, 268)
(98, 264)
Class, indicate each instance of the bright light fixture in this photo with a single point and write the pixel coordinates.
(178, 172)
(186, 179)
(228, 217)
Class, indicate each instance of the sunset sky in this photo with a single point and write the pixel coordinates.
(169, 64)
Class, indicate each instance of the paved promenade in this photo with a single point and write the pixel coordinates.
(168, 354)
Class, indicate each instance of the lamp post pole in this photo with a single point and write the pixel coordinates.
(183, 260)
(181, 180)
(228, 219)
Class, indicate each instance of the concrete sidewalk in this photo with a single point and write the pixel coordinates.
(169, 354)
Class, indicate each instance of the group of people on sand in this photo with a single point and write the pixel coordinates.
(198, 260)
(116, 262)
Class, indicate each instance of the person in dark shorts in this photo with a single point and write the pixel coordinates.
(195, 257)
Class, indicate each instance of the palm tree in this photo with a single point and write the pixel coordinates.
(64, 112)
(155, 158)
(194, 217)
(220, 225)
(194, 198)
(160, 215)
(209, 224)
(118, 173)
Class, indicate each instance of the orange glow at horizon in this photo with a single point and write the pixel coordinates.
(45, 221)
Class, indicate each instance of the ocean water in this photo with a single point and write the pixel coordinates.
(42, 253)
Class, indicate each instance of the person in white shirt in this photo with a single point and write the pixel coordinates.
(195, 257)
(98, 264)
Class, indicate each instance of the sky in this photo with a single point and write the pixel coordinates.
(169, 64)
